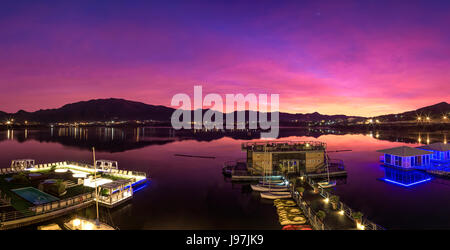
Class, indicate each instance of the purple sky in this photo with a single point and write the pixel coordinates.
(350, 57)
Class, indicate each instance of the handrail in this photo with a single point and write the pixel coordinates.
(47, 207)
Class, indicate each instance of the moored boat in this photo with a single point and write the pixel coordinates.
(275, 195)
(264, 188)
(327, 184)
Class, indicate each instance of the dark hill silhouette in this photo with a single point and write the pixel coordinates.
(436, 111)
(125, 110)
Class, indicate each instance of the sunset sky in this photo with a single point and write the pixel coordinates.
(335, 57)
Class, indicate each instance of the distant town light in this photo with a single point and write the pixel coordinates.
(341, 212)
(326, 200)
(419, 118)
(428, 118)
(445, 117)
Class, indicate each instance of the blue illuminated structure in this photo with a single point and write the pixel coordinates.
(405, 178)
(406, 185)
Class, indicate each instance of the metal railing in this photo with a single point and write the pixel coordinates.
(274, 146)
(48, 207)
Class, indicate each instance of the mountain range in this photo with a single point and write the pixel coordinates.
(125, 110)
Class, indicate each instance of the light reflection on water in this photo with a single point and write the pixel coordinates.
(191, 193)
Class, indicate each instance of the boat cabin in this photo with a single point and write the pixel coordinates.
(106, 165)
(441, 151)
(405, 157)
(22, 164)
(114, 193)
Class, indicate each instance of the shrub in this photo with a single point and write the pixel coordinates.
(20, 178)
(334, 199)
(321, 214)
(357, 215)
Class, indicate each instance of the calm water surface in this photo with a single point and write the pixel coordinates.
(191, 193)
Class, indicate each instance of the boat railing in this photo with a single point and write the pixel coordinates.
(272, 146)
(47, 207)
(369, 225)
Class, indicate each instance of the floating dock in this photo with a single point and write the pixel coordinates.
(115, 187)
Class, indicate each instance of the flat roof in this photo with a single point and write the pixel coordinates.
(404, 151)
(116, 183)
(439, 146)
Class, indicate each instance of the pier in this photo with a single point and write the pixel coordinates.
(341, 218)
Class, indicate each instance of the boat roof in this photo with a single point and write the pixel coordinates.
(439, 146)
(404, 151)
(116, 183)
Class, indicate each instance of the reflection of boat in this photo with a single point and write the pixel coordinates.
(264, 188)
(275, 195)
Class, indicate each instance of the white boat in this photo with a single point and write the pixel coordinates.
(275, 195)
(326, 184)
(265, 188)
(273, 182)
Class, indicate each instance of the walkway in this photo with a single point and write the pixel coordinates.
(333, 219)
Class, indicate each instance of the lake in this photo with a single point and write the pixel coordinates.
(192, 193)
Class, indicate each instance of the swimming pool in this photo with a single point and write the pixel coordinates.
(34, 195)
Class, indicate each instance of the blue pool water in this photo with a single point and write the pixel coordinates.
(35, 196)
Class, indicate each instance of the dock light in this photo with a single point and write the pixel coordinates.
(341, 212)
(360, 226)
(76, 222)
(87, 226)
(8, 122)
(60, 170)
(326, 200)
(428, 118)
(79, 175)
(445, 117)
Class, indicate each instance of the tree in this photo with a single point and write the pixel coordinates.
(321, 215)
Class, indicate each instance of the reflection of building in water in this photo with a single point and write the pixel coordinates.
(405, 177)
(287, 157)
